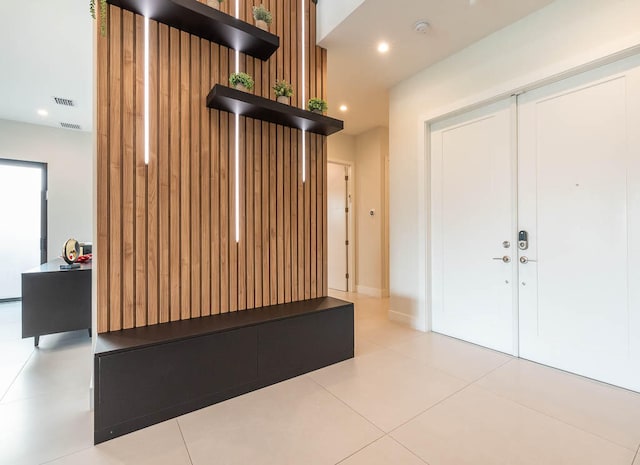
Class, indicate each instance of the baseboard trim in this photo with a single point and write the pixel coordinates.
(372, 291)
(404, 319)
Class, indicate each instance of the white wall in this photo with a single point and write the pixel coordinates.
(367, 153)
(330, 13)
(559, 38)
(68, 155)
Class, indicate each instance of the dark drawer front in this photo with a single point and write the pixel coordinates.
(144, 382)
(298, 345)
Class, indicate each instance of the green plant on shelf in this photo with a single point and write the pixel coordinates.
(260, 13)
(317, 105)
(283, 89)
(241, 79)
(103, 14)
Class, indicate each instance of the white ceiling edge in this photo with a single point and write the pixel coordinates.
(47, 52)
(332, 13)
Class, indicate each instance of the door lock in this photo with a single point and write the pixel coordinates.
(506, 244)
(523, 240)
(505, 259)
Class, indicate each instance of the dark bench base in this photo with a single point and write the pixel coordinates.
(147, 375)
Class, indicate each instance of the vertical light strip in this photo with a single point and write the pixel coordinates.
(237, 144)
(146, 90)
(304, 93)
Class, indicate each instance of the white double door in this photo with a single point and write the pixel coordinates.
(561, 163)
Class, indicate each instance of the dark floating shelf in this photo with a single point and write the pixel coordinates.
(208, 23)
(236, 101)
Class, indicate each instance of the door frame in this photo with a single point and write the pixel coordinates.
(514, 88)
(44, 221)
(351, 204)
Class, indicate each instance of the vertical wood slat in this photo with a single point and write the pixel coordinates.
(102, 245)
(166, 245)
(164, 241)
(174, 173)
(115, 172)
(153, 182)
(205, 179)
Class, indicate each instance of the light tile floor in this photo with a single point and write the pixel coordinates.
(407, 398)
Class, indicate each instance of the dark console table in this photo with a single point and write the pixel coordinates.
(55, 300)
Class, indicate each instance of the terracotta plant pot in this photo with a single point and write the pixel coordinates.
(320, 112)
(215, 4)
(283, 99)
(262, 25)
(242, 88)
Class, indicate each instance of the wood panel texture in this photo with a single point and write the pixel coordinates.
(166, 247)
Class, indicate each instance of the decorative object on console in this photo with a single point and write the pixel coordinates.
(283, 91)
(70, 254)
(317, 105)
(262, 16)
(242, 81)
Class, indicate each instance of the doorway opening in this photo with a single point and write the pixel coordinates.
(23, 209)
(339, 227)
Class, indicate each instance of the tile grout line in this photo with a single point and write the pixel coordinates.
(409, 450)
(17, 375)
(636, 456)
(347, 405)
(470, 383)
(559, 420)
(184, 442)
(67, 455)
(359, 450)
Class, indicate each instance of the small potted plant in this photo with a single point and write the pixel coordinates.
(262, 16)
(215, 4)
(241, 81)
(317, 105)
(283, 91)
(103, 14)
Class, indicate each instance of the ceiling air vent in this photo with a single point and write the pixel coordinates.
(67, 102)
(70, 126)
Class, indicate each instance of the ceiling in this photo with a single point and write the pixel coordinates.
(360, 77)
(46, 52)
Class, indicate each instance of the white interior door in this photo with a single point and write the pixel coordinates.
(579, 201)
(473, 227)
(337, 226)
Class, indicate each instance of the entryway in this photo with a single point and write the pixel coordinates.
(535, 222)
(23, 235)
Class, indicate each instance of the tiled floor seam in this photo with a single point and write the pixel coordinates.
(67, 455)
(636, 456)
(559, 420)
(186, 446)
(359, 450)
(429, 408)
(406, 448)
(16, 376)
(348, 406)
(469, 383)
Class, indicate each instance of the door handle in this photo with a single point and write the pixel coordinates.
(525, 260)
(505, 259)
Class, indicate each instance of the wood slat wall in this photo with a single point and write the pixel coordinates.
(166, 247)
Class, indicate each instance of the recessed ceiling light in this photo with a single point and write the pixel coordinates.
(383, 47)
(343, 108)
(43, 112)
